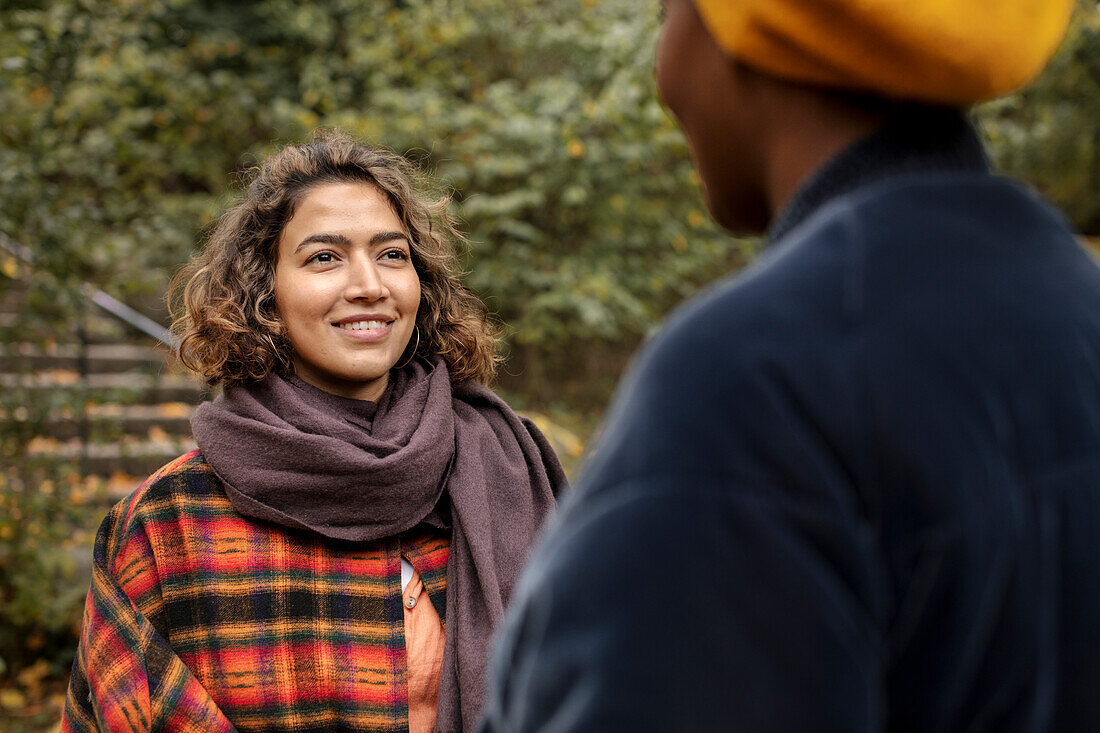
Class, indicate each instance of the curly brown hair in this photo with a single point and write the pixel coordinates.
(223, 300)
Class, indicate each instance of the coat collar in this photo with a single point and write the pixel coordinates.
(916, 140)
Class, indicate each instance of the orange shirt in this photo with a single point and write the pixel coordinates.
(424, 638)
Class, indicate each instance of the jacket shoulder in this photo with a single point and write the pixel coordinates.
(182, 476)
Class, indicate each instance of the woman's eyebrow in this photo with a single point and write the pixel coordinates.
(340, 239)
(380, 237)
(323, 238)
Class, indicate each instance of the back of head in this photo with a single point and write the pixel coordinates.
(767, 91)
(940, 52)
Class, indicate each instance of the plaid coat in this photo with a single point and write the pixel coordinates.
(201, 619)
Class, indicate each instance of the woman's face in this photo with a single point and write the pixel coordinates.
(346, 289)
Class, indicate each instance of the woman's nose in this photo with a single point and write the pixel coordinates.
(365, 282)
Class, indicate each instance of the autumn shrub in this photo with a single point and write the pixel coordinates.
(1049, 133)
(44, 524)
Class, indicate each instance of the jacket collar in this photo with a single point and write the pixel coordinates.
(917, 140)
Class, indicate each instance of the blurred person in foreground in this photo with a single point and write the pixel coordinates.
(355, 486)
(857, 486)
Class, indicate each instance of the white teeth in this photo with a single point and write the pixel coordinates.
(361, 325)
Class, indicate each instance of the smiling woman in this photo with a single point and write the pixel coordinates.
(356, 482)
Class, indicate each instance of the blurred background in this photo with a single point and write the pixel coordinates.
(126, 126)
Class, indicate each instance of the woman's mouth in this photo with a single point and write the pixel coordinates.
(366, 330)
(362, 325)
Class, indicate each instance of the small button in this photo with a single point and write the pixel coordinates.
(410, 602)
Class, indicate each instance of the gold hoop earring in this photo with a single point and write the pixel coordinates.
(416, 330)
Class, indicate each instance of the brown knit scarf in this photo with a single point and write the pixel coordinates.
(351, 470)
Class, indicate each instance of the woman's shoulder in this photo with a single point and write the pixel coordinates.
(150, 516)
(178, 482)
(186, 470)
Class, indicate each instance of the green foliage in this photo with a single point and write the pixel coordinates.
(123, 121)
(44, 527)
(1049, 134)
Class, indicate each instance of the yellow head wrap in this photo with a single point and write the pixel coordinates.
(938, 51)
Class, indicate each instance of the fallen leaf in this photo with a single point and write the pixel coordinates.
(174, 409)
(10, 267)
(41, 444)
(61, 377)
(119, 479)
(12, 699)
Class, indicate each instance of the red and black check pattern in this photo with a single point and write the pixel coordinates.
(201, 619)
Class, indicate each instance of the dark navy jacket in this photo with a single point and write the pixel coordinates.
(855, 488)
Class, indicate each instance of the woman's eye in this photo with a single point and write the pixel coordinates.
(322, 258)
